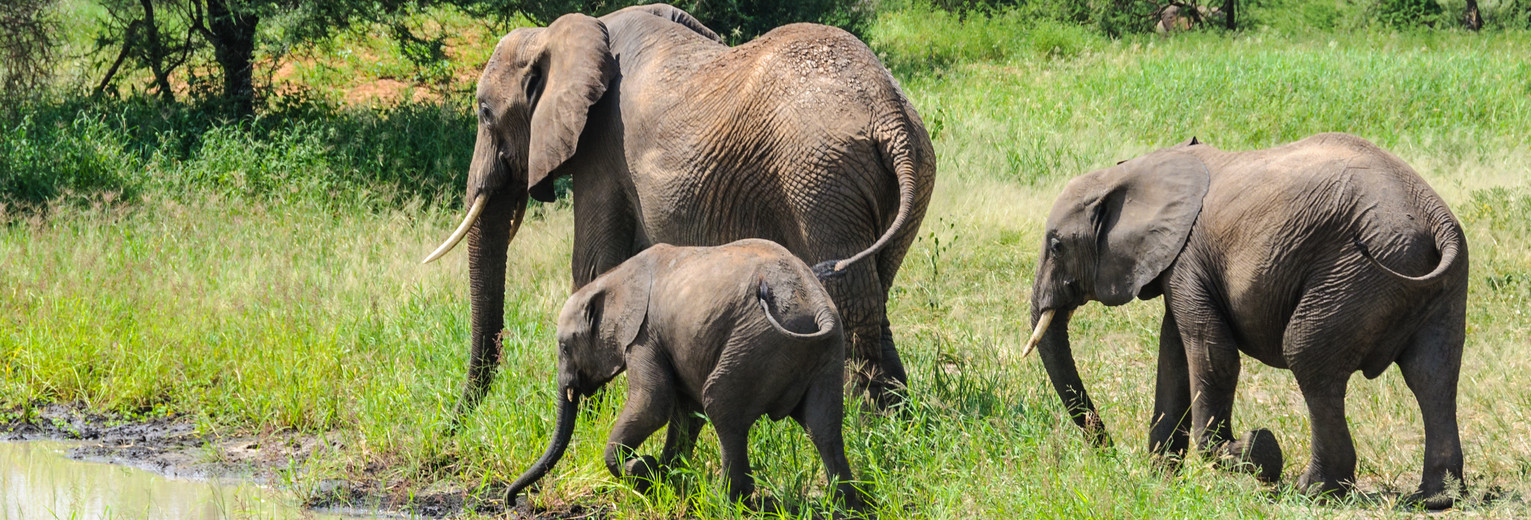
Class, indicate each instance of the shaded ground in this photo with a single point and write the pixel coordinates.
(173, 447)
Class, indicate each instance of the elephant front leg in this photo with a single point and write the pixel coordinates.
(1213, 362)
(650, 401)
(605, 229)
(1170, 429)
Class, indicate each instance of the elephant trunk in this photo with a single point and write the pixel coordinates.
(1058, 359)
(568, 411)
(488, 239)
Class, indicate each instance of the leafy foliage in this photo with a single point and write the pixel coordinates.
(1408, 13)
(26, 45)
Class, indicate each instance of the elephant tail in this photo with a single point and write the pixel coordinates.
(825, 318)
(895, 143)
(1449, 240)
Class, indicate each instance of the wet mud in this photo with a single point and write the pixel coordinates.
(172, 447)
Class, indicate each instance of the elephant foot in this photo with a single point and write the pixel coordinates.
(642, 472)
(1315, 484)
(1167, 464)
(1257, 453)
(764, 505)
(1429, 501)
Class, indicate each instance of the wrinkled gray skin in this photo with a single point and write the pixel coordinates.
(1299, 256)
(800, 137)
(736, 332)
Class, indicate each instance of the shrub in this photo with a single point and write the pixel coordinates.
(1407, 13)
(79, 159)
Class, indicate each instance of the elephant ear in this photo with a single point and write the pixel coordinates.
(614, 313)
(576, 65)
(1144, 221)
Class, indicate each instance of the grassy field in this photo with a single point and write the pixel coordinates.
(264, 277)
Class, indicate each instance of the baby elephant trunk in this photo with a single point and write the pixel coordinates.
(568, 410)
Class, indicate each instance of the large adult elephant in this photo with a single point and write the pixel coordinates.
(1294, 255)
(670, 136)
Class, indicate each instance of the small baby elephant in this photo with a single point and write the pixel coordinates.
(735, 331)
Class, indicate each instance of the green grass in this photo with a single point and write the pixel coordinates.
(264, 277)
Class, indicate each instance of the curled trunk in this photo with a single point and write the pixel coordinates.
(568, 411)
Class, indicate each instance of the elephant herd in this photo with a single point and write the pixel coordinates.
(706, 179)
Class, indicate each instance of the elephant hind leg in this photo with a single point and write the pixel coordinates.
(821, 413)
(863, 311)
(1431, 367)
(1332, 468)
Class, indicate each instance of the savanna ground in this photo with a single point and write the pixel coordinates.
(263, 278)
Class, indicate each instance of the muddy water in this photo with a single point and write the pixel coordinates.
(37, 481)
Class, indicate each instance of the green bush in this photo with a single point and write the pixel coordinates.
(79, 159)
(1509, 14)
(1401, 14)
(82, 149)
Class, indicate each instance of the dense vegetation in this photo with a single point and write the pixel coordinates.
(259, 274)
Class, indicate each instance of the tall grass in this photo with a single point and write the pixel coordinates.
(264, 278)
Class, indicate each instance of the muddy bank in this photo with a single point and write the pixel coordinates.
(173, 447)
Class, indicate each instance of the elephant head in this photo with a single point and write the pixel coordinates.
(534, 98)
(1109, 236)
(597, 325)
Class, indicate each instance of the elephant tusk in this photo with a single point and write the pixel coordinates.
(1036, 335)
(462, 229)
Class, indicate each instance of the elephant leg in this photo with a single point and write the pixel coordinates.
(1213, 362)
(892, 364)
(605, 229)
(680, 439)
(650, 402)
(1169, 431)
(821, 413)
(733, 438)
(1431, 368)
(1332, 468)
(863, 312)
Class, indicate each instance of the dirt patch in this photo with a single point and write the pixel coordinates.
(173, 446)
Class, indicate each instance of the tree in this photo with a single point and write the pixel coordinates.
(26, 45)
(161, 35)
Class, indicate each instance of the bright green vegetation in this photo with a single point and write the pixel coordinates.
(264, 277)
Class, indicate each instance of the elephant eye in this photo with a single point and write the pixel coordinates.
(533, 85)
(1054, 245)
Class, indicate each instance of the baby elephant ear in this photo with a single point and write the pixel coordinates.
(1145, 220)
(627, 306)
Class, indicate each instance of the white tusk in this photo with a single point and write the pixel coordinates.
(1036, 335)
(462, 229)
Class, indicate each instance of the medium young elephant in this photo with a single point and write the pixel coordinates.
(1295, 255)
(735, 331)
(800, 137)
